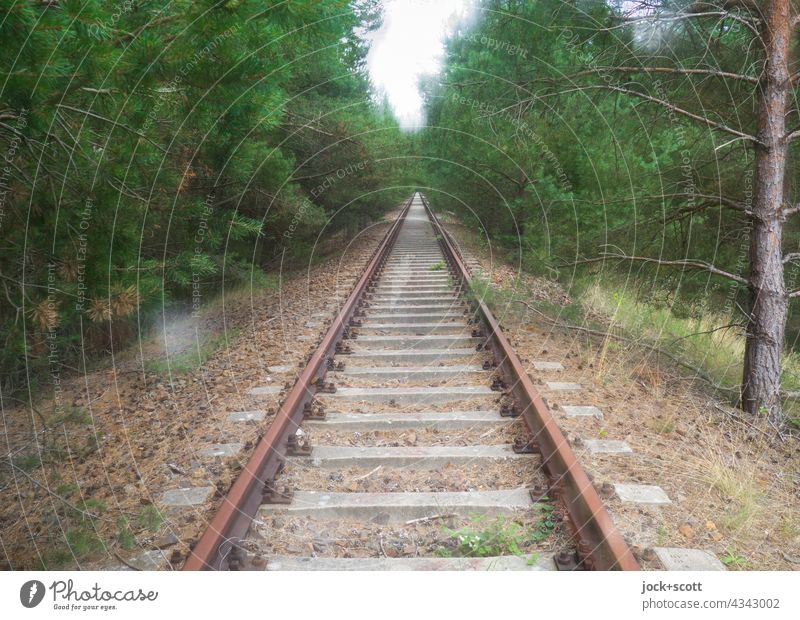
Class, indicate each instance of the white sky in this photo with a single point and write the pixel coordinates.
(410, 44)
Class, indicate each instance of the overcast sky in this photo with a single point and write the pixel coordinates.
(409, 44)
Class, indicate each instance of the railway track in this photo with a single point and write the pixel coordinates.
(413, 439)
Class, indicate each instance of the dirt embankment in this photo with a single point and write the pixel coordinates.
(734, 484)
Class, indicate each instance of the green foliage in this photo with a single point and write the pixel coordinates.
(65, 490)
(79, 538)
(732, 559)
(125, 537)
(158, 150)
(70, 415)
(150, 518)
(27, 462)
(192, 359)
(564, 153)
(500, 536)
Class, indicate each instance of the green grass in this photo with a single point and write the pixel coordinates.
(65, 490)
(701, 338)
(738, 486)
(437, 266)
(501, 536)
(81, 540)
(731, 559)
(694, 333)
(195, 357)
(480, 289)
(96, 506)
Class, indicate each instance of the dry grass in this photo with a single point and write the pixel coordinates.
(748, 497)
(661, 426)
(736, 484)
(730, 479)
(709, 341)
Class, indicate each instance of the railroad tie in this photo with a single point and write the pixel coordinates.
(412, 440)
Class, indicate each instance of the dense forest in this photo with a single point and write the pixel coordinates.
(156, 150)
(195, 270)
(644, 145)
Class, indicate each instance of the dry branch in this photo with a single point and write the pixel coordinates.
(594, 332)
(674, 70)
(685, 264)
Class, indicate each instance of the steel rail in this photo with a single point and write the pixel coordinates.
(217, 547)
(600, 545)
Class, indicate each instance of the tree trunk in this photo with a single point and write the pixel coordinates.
(768, 303)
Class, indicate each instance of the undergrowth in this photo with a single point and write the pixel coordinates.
(705, 339)
(194, 357)
(80, 532)
(498, 537)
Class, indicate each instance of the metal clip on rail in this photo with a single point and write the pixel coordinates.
(605, 548)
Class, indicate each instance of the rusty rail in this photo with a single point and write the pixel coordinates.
(600, 546)
(217, 548)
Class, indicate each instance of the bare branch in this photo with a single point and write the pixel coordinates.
(723, 200)
(608, 334)
(665, 104)
(791, 257)
(791, 210)
(313, 176)
(129, 36)
(308, 123)
(709, 331)
(792, 135)
(675, 70)
(751, 6)
(700, 10)
(696, 12)
(677, 110)
(46, 489)
(520, 184)
(684, 264)
(125, 562)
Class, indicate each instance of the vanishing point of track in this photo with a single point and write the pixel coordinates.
(410, 319)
